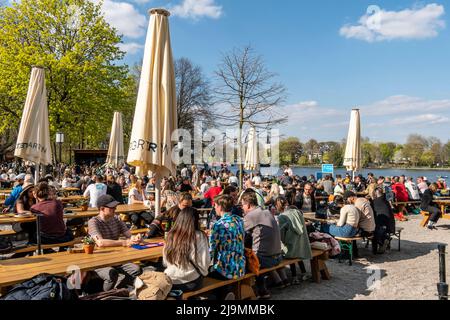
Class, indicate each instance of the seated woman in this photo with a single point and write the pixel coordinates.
(23, 205)
(347, 225)
(136, 195)
(294, 235)
(186, 252)
(53, 228)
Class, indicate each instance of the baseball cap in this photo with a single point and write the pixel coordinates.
(107, 200)
(349, 194)
(20, 176)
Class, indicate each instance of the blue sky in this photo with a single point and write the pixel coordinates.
(392, 62)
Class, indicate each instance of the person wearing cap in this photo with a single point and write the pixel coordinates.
(347, 226)
(94, 191)
(105, 229)
(10, 202)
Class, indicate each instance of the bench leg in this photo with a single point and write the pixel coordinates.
(425, 220)
(324, 270)
(245, 290)
(315, 269)
(399, 241)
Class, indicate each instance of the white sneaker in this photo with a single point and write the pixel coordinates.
(230, 296)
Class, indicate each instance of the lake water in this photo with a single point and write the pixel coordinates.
(432, 175)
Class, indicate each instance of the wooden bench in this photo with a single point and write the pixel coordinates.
(243, 289)
(138, 231)
(397, 233)
(7, 233)
(426, 217)
(32, 248)
(349, 245)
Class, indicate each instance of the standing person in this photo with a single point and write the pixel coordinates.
(195, 177)
(327, 184)
(186, 252)
(430, 206)
(105, 229)
(233, 179)
(226, 242)
(114, 189)
(53, 228)
(94, 191)
(262, 234)
(185, 172)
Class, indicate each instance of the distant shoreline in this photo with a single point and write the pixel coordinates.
(382, 168)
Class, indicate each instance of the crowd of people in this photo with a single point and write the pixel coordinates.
(266, 216)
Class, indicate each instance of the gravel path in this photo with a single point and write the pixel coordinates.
(411, 273)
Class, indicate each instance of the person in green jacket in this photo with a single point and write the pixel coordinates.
(294, 236)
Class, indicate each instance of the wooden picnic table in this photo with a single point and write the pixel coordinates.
(311, 216)
(72, 199)
(14, 271)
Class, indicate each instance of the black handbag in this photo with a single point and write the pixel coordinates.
(6, 245)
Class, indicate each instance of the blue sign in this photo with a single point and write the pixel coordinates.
(327, 168)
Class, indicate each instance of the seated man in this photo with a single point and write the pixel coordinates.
(430, 206)
(366, 218)
(262, 234)
(156, 228)
(106, 228)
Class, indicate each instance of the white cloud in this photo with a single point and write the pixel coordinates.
(422, 119)
(131, 47)
(124, 17)
(401, 104)
(379, 25)
(196, 9)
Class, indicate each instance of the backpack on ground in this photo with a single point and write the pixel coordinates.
(41, 287)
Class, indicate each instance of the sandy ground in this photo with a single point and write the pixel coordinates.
(411, 273)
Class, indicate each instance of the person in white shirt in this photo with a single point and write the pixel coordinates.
(185, 172)
(186, 252)
(95, 190)
(136, 195)
(233, 179)
(412, 188)
(206, 185)
(257, 180)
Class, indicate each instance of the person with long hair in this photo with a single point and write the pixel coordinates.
(186, 252)
(169, 197)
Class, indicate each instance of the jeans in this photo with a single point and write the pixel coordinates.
(266, 262)
(435, 213)
(189, 286)
(147, 217)
(118, 277)
(346, 231)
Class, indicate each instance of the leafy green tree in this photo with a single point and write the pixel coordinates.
(79, 50)
(427, 158)
(387, 152)
(290, 150)
(414, 148)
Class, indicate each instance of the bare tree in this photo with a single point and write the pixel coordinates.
(245, 88)
(193, 95)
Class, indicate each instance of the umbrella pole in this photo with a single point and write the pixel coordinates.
(38, 233)
(157, 194)
(36, 174)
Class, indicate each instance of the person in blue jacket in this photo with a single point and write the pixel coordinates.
(11, 200)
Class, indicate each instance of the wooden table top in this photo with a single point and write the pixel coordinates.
(76, 213)
(14, 271)
(311, 216)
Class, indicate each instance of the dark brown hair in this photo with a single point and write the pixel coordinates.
(225, 201)
(249, 197)
(42, 190)
(185, 196)
(182, 237)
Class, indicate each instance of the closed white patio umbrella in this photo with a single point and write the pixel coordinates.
(352, 156)
(116, 155)
(251, 155)
(33, 140)
(155, 116)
